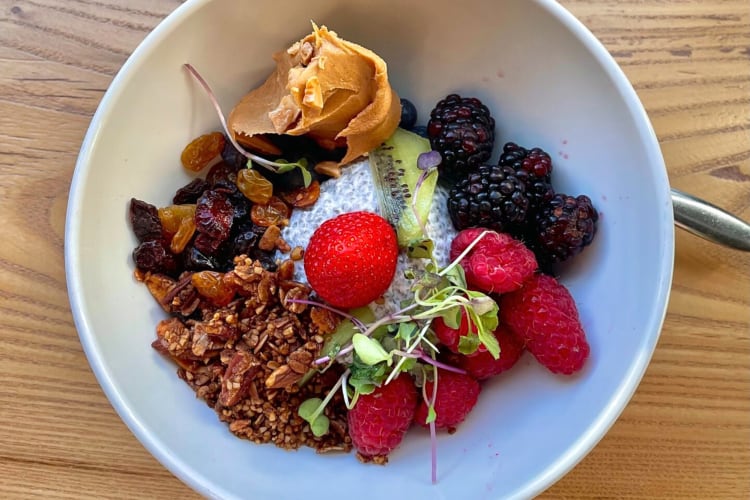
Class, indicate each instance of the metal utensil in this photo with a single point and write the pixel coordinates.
(710, 222)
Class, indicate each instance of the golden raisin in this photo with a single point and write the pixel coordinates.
(275, 212)
(183, 235)
(304, 196)
(254, 186)
(201, 151)
(172, 216)
(214, 287)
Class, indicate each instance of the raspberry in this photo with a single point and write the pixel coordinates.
(498, 263)
(534, 168)
(545, 316)
(379, 420)
(564, 226)
(457, 394)
(481, 365)
(450, 336)
(462, 130)
(491, 196)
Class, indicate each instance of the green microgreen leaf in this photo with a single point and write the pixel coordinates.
(431, 414)
(369, 350)
(283, 166)
(407, 331)
(452, 317)
(311, 411)
(468, 344)
(457, 276)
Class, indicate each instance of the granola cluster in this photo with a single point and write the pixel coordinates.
(249, 353)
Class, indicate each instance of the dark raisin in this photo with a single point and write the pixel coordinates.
(152, 256)
(195, 260)
(214, 215)
(222, 172)
(144, 219)
(241, 208)
(266, 258)
(244, 242)
(189, 193)
(232, 157)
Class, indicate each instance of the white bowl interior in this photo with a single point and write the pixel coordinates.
(549, 84)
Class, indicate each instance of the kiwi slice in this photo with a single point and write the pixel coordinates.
(396, 175)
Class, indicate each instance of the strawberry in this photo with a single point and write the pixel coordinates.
(498, 263)
(351, 259)
(379, 420)
(457, 394)
(545, 316)
(481, 365)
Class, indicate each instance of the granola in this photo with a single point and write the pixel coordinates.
(250, 360)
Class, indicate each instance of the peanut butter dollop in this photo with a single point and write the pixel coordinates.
(335, 91)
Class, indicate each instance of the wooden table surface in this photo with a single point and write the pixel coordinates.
(686, 433)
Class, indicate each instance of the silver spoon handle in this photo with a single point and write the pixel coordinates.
(710, 222)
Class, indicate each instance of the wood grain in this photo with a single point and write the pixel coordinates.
(686, 433)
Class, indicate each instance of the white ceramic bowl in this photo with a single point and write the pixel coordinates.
(549, 84)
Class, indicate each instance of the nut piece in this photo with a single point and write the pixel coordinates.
(281, 377)
(329, 168)
(268, 240)
(297, 253)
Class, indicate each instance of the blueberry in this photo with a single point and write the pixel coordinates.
(408, 115)
(420, 130)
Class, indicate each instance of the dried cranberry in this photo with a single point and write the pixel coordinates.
(152, 256)
(144, 218)
(223, 172)
(195, 260)
(214, 215)
(189, 193)
(206, 244)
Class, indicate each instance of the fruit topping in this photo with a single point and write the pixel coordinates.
(498, 263)
(490, 197)
(455, 396)
(544, 315)
(408, 115)
(351, 259)
(482, 365)
(379, 421)
(404, 190)
(254, 185)
(144, 219)
(564, 226)
(462, 130)
(275, 212)
(534, 168)
(202, 151)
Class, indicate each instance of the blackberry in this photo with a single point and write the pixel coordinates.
(490, 197)
(534, 168)
(564, 226)
(462, 130)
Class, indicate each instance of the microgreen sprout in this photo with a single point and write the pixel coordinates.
(278, 166)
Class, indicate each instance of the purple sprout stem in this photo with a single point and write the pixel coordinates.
(422, 356)
(433, 451)
(360, 326)
(212, 97)
(368, 331)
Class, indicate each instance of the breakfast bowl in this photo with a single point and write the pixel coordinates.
(553, 87)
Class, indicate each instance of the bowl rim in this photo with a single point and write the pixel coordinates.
(563, 464)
